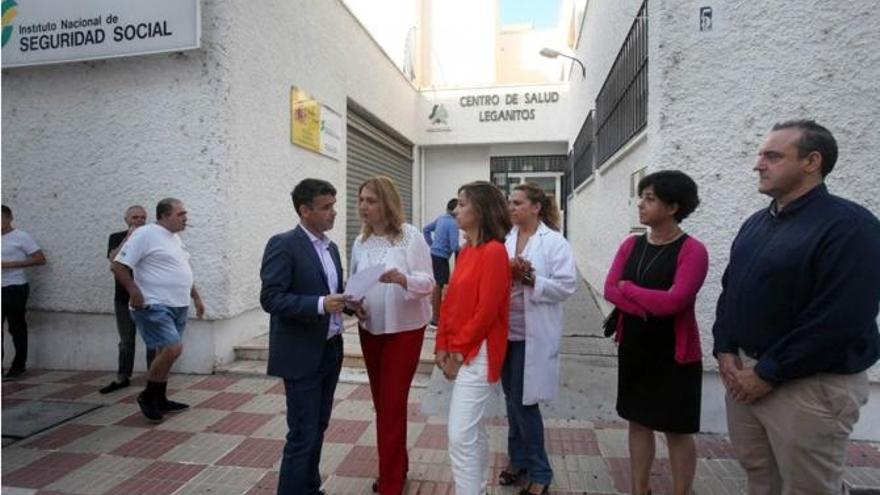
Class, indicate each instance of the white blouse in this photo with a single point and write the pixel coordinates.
(390, 307)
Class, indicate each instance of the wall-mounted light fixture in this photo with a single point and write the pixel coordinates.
(551, 53)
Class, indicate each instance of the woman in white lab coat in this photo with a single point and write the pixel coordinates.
(544, 276)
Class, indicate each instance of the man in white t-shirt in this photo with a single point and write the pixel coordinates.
(19, 252)
(159, 297)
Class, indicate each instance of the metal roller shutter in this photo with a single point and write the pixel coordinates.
(372, 151)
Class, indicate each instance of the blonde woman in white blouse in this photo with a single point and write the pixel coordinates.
(393, 319)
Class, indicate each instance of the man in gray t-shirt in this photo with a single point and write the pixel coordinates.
(159, 290)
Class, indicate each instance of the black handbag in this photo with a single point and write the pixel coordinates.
(609, 326)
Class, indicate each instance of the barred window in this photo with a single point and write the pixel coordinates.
(622, 104)
(580, 166)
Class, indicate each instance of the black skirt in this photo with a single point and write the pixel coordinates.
(652, 388)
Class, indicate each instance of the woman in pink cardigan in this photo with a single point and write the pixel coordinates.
(653, 282)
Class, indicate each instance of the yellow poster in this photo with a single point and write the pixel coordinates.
(305, 120)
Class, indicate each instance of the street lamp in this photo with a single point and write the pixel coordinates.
(551, 53)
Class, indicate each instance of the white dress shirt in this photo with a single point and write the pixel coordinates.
(322, 248)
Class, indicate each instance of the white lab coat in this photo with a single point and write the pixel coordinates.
(555, 281)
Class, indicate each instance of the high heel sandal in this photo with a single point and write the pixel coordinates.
(528, 490)
(507, 478)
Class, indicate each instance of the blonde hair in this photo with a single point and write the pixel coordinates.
(549, 213)
(390, 205)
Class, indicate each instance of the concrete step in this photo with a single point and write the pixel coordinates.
(251, 357)
(354, 375)
(257, 349)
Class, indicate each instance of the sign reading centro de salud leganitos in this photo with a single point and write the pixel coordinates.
(52, 31)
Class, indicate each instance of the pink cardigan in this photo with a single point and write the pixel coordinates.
(690, 272)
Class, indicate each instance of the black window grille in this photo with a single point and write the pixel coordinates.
(622, 104)
(581, 162)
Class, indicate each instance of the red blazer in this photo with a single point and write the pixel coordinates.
(476, 305)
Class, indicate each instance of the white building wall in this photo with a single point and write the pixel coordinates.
(460, 44)
(713, 97)
(601, 212)
(329, 55)
(449, 167)
(212, 126)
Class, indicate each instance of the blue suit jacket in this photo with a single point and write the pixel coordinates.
(293, 280)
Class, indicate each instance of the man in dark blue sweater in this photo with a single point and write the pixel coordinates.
(796, 322)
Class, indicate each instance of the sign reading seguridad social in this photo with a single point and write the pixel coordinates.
(53, 31)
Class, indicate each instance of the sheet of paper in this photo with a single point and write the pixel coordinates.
(362, 281)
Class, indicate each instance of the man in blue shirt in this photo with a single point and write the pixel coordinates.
(796, 325)
(442, 236)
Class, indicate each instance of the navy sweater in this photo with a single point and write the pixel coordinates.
(802, 289)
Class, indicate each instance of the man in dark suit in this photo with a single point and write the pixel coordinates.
(302, 285)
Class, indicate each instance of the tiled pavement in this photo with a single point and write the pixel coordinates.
(230, 443)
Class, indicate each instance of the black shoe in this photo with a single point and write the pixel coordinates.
(171, 406)
(527, 490)
(149, 409)
(114, 386)
(14, 373)
(507, 478)
(376, 486)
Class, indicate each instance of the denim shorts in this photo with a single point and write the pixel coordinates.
(160, 325)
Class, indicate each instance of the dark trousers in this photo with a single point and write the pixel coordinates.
(391, 362)
(525, 435)
(14, 310)
(309, 401)
(126, 328)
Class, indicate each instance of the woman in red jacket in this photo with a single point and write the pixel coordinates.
(472, 337)
(653, 282)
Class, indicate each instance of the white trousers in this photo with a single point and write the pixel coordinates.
(468, 435)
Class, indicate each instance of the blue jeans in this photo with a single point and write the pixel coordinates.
(525, 436)
(309, 401)
(160, 325)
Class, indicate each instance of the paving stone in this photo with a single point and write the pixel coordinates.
(193, 420)
(332, 454)
(275, 428)
(355, 409)
(46, 470)
(253, 385)
(265, 404)
(227, 401)
(613, 443)
(41, 391)
(15, 457)
(222, 480)
(192, 396)
(158, 478)
(100, 475)
(254, 452)
(107, 415)
(152, 444)
(104, 441)
(203, 448)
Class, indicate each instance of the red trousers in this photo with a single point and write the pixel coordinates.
(391, 362)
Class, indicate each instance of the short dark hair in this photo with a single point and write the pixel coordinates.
(814, 137)
(7, 211)
(165, 207)
(673, 187)
(307, 190)
(451, 204)
(491, 207)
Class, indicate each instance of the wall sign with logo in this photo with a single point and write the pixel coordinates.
(314, 126)
(52, 31)
(492, 107)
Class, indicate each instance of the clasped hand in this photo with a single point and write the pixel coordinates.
(521, 269)
(743, 384)
(449, 363)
